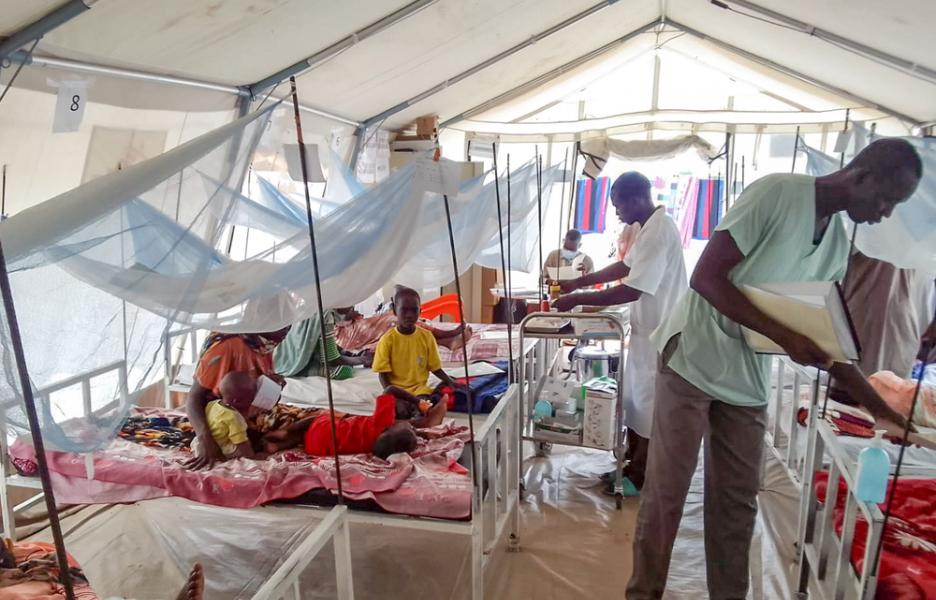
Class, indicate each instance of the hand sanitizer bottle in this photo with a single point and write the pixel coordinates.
(873, 471)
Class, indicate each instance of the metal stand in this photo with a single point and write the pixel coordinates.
(527, 432)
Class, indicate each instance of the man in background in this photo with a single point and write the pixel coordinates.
(569, 255)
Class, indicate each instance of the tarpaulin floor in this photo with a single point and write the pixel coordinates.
(574, 545)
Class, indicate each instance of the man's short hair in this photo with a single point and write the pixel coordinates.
(574, 235)
(631, 185)
(885, 156)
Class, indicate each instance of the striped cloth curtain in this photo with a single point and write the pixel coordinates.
(708, 207)
(591, 204)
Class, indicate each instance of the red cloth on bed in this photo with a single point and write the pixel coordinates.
(908, 561)
(356, 433)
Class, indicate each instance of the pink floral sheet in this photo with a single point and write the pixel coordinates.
(428, 483)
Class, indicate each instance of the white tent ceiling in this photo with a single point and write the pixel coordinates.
(238, 42)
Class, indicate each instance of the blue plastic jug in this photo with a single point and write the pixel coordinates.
(873, 471)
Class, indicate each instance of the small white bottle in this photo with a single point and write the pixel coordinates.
(873, 471)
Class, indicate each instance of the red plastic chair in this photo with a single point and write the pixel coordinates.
(443, 305)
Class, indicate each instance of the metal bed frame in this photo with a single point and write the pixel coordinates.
(10, 478)
(495, 497)
(782, 438)
(284, 583)
(824, 557)
(825, 567)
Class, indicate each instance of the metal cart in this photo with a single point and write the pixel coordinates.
(528, 389)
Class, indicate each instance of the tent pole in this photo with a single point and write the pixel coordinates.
(75, 66)
(547, 77)
(795, 150)
(500, 230)
(509, 282)
(16, 341)
(792, 73)
(844, 130)
(565, 166)
(491, 61)
(475, 463)
(539, 221)
(318, 285)
(43, 25)
(3, 195)
(340, 46)
(890, 60)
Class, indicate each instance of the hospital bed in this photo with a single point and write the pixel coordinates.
(832, 529)
(492, 472)
(796, 389)
(84, 382)
(285, 583)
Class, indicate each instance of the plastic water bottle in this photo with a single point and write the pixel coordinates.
(873, 471)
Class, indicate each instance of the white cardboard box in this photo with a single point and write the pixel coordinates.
(599, 422)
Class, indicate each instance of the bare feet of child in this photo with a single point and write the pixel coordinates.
(194, 588)
(436, 415)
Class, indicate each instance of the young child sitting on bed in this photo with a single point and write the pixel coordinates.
(379, 433)
(406, 355)
(226, 417)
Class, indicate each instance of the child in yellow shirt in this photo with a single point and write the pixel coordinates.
(226, 417)
(406, 354)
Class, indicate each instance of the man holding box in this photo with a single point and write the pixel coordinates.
(712, 385)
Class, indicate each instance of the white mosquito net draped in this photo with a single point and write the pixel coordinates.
(100, 273)
(908, 238)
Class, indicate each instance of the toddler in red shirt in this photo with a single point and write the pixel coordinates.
(379, 433)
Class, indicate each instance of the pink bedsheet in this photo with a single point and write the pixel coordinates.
(427, 483)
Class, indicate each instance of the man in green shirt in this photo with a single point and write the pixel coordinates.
(710, 383)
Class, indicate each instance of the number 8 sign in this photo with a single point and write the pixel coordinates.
(70, 106)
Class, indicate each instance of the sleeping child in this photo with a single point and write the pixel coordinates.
(406, 355)
(380, 433)
(227, 417)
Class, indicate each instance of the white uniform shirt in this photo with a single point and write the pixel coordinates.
(658, 271)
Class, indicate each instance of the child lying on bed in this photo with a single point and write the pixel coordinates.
(227, 417)
(379, 434)
(407, 354)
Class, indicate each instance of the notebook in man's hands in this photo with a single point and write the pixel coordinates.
(815, 309)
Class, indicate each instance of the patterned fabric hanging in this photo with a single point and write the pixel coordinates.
(591, 204)
(708, 207)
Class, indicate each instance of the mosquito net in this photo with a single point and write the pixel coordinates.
(99, 274)
(908, 238)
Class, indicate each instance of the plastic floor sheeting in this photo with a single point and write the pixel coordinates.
(574, 545)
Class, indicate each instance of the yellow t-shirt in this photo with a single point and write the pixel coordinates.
(227, 426)
(408, 359)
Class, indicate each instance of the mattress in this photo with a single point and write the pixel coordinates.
(428, 482)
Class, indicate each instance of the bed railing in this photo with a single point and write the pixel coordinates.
(172, 363)
(825, 567)
(285, 583)
(9, 512)
(784, 434)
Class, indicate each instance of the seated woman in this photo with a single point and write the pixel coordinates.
(250, 353)
(379, 433)
(301, 354)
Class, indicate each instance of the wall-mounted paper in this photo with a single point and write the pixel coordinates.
(294, 165)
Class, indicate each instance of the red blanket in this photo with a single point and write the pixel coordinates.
(429, 482)
(908, 561)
